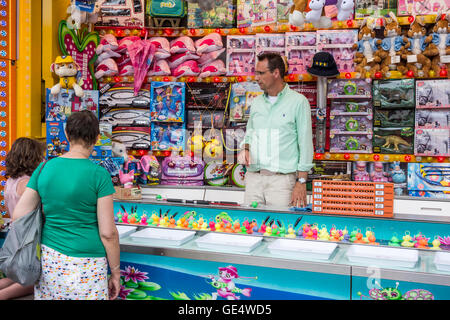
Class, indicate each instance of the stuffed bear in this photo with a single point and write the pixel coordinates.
(314, 10)
(416, 60)
(367, 57)
(439, 44)
(392, 47)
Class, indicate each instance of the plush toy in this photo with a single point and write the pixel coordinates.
(416, 60)
(215, 68)
(187, 68)
(78, 17)
(159, 68)
(162, 46)
(108, 41)
(107, 68)
(119, 150)
(67, 70)
(196, 143)
(209, 57)
(392, 47)
(182, 44)
(177, 59)
(209, 43)
(125, 42)
(106, 54)
(126, 178)
(126, 70)
(213, 149)
(367, 57)
(439, 45)
(298, 17)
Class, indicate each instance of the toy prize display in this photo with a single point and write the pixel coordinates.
(300, 49)
(242, 95)
(241, 57)
(167, 101)
(429, 179)
(178, 170)
(339, 43)
(222, 15)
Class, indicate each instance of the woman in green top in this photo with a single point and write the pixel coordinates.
(79, 236)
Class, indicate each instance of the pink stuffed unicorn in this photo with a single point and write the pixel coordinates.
(187, 68)
(126, 178)
(215, 68)
(209, 43)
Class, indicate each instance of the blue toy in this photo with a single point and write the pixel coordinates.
(426, 179)
(57, 143)
(167, 136)
(167, 101)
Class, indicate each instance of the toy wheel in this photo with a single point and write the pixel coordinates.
(238, 175)
(211, 177)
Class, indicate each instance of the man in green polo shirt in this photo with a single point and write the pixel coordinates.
(278, 148)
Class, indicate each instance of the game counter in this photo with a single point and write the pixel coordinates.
(190, 268)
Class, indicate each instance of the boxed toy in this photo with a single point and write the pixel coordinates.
(57, 143)
(133, 137)
(126, 117)
(177, 170)
(432, 142)
(351, 107)
(339, 44)
(371, 8)
(425, 179)
(351, 143)
(207, 95)
(241, 57)
(60, 106)
(103, 147)
(222, 15)
(394, 93)
(421, 7)
(433, 118)
(274, 42)
(351, 124)
(167, 101)
(393, 140)
(343, 88)
(331, 170)
(393, 118)
(167, 136)
(113, 165)
(252, 13)
(125, 13)
(309, 90)
(242, 95)
(300, 49)
(205, 119)
(433, 93)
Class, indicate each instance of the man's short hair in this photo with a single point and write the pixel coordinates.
(274, 61)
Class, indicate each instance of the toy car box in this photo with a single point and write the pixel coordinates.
(393, 140)
(394, 93)
(178, 170)
(167, 101)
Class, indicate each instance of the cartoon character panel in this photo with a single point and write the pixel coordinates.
(167, 101)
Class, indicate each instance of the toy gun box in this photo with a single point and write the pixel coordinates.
(177, 170)
(207, 95)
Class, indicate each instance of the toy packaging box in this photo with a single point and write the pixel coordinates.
(393, 118)
(129, 117)
(339, 44)
(394, 172)
(432, 142)
(127, 13)
(252, 13)
(207, 95)
(223, 15)
(167, 101)
(353, 107)
(133, 137)
(103, 147)
(57, 143)
(429, 179)
(60, 106)
(242, 95)
(370, 8)
(205, 119)
(331, 170)
(274, 42)
(112, 165)
(178, 170)
(241, 57)
(300, 50)
(393, 140)
(421, 7)
(343, 88)
(167, 136)
(309, 90)
(433, 118)
(351, 124)
(394, 93)
(433, 94)
(351, 143)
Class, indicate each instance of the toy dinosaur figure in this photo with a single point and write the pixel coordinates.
(393, 140)
(394, 95)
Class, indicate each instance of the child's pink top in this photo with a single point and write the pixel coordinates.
(11, 196)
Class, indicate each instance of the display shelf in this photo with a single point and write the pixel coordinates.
(379, 157)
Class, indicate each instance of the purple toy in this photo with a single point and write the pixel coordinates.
(378, 174)
(177, 170)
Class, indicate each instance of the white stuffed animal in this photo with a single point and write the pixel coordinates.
(119, 150)
(78, 17)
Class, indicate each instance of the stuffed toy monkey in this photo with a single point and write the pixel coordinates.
(392, 47)
(67, 70)
(439, 44)
(367, 59)
(418, 62)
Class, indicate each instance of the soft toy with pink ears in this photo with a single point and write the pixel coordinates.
(215, 68)
(187, 68)
(126, 178)
(209, 43)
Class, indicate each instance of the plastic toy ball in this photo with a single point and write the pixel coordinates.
(254, 204)
(158, 197)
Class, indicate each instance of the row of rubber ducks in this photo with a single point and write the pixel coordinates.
(223, 223)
